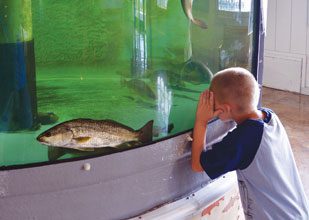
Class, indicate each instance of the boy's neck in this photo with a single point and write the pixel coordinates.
(255, 115)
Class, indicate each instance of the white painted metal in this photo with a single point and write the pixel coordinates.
(218, 200)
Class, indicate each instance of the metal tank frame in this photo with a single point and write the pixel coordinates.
(116, 186)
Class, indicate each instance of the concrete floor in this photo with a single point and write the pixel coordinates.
(293, 111)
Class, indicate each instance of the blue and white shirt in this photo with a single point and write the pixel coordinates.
(269, 183)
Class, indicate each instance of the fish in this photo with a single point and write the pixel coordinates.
(55, 153)
(88, 134)
(145, 105)
(187, 8)
(140, 87)
(47, 118)
(231, 203)
(212, 206)
(196, 72)
(129, 97)
(141, 103)
(172, 77)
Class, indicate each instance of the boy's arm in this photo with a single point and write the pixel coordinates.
(199, 136)
(205, 112)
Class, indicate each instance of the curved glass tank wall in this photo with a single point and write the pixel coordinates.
(128, 61)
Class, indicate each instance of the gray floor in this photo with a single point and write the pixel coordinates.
(293, 110)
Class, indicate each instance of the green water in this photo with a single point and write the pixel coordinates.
(89, 53)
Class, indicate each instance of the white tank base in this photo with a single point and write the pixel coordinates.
(219, 200)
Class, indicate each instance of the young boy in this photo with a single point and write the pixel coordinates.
(258, 149)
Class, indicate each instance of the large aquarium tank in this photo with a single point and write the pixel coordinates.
(130, 61)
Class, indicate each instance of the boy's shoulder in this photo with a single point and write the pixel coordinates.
(268, 113)
(249, 131)
(252, 123)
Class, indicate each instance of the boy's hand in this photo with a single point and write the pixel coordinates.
(205, 111)
(205, 108)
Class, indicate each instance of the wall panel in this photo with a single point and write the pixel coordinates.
(270, 40)
(298, 26)
(283, 25)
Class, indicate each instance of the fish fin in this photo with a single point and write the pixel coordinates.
(129, 97)
(55, 152)
(170, 127)
(127, 145)
(82, 139)
(145, 133)
(83, 149)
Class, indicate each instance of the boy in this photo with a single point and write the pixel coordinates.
(258, 149)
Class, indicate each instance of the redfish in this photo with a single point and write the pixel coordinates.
(88, 134)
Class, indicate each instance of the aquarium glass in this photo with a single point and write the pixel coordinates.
(130, 61)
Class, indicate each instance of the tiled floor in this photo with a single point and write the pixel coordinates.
(293, 111)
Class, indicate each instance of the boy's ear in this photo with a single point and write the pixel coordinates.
(227, 108)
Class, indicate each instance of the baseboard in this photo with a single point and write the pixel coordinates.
(284, 71)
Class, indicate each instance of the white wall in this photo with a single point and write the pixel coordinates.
(286, 51)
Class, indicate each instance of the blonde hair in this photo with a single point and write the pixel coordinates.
(238, 86)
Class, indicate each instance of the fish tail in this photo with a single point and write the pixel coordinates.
(55, 152)
(200, 23)
(187, 8)
(145, 133)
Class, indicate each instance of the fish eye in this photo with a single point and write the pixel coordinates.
(48, 134)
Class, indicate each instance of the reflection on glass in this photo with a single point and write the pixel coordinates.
(162, 4)
(140, 38)
(164, 105)
(234, 5)
(128, 61)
